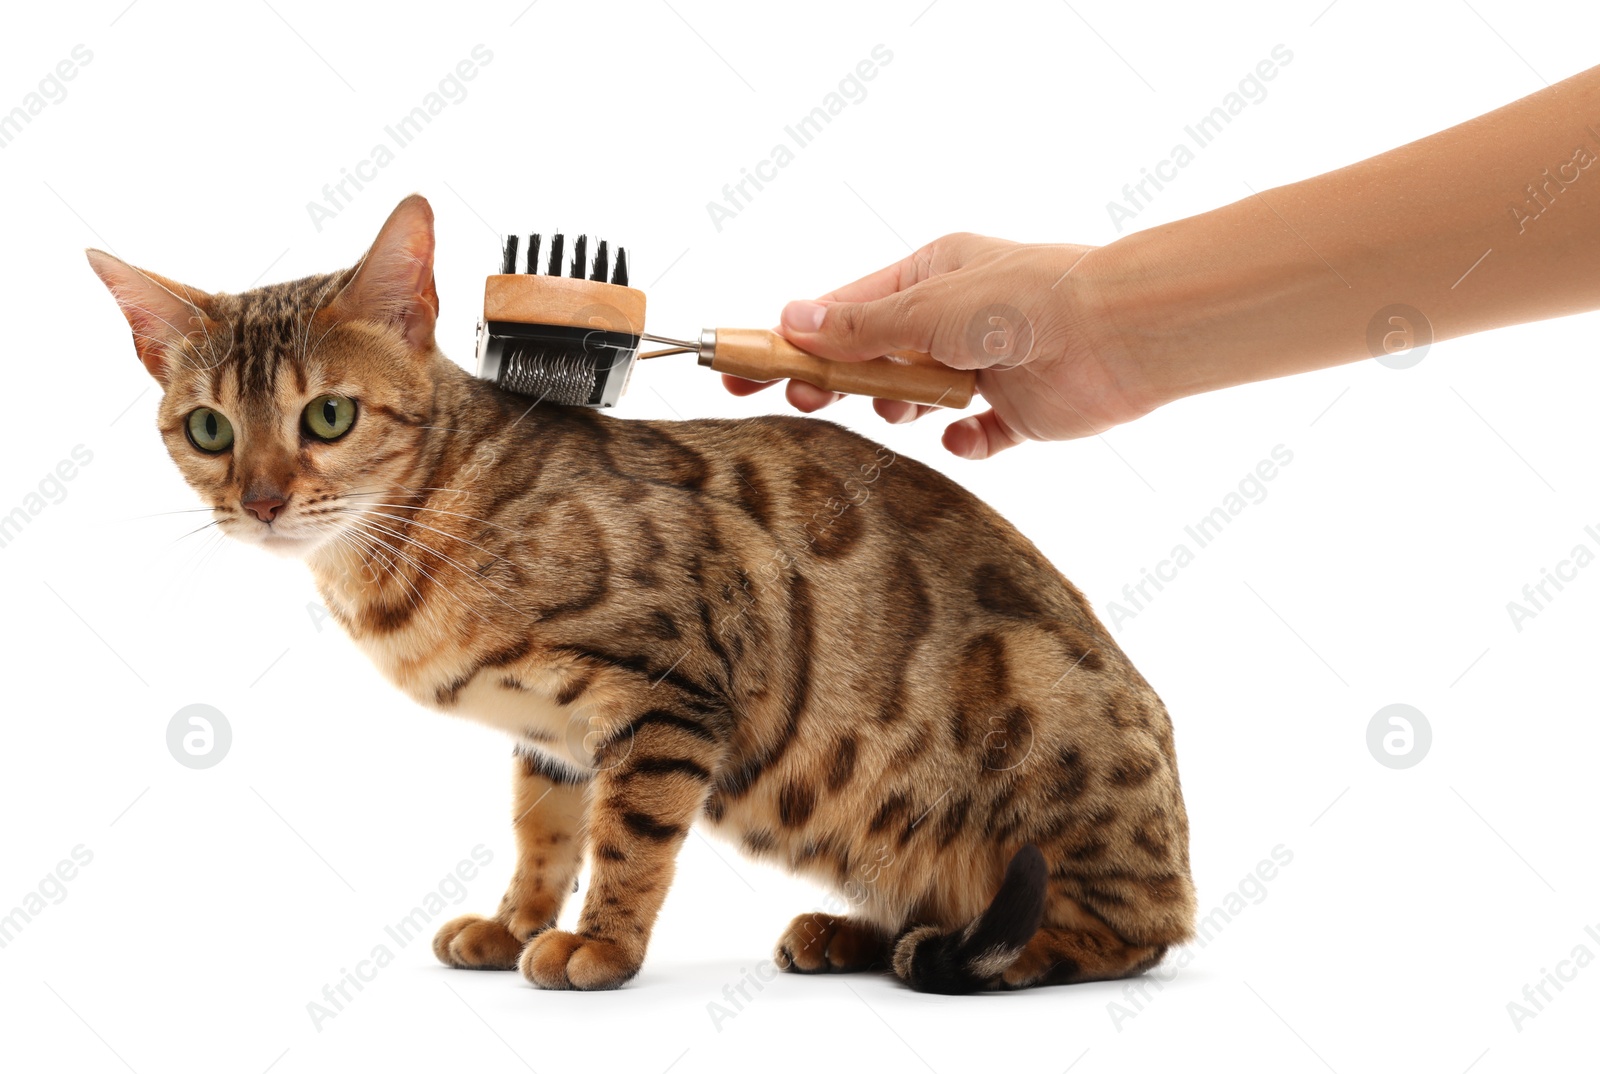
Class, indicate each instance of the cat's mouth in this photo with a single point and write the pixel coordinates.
(296, 547)
(285, 536)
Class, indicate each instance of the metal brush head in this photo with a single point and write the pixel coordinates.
(554, 375)
(556, 331)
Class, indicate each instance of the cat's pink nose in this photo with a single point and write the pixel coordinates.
(265, 508)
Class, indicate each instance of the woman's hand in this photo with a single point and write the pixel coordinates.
(1024, 316)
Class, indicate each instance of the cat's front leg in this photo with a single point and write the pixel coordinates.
(654, 773)
(547, 818)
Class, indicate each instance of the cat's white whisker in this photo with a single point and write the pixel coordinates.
(441, 511)
(160, 514)
(438, 582)
(212, 549)
(431, 529)
(371, 551)
(197, 529)
(423, 508)
(377, 552)
(472, 575)
(367, 521)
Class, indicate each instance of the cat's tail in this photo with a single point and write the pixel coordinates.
(973, 958)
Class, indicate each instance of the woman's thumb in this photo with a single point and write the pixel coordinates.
(854, 331)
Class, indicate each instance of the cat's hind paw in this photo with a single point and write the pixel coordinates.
(823, 943)
(477, 943)
(566, 960)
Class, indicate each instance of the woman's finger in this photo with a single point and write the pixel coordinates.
(740, 386)
(981, 436)
(807, 398)
(896, 412)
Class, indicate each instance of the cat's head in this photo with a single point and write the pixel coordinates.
(293, 407)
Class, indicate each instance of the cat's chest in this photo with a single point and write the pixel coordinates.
(529, 714)
(522, 704)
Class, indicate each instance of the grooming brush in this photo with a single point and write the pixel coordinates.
(561, 331)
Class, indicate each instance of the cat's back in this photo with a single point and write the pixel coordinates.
(837, 498)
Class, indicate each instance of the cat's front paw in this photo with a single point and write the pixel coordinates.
(477, 943)
(558, 959)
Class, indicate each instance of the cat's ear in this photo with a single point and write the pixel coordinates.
(160, 311)
(393, 284)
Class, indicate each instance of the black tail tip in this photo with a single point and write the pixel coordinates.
(956, 963)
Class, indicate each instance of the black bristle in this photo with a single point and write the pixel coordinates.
(619, 275)
(508, 255)
(556, 242)
(533, 254)
(580, 258)
(601, 264)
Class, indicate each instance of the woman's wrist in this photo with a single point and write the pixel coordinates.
(1220, 299)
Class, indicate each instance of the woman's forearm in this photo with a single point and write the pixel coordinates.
(1489, 223)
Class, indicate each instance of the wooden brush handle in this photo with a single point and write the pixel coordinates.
(756, 354)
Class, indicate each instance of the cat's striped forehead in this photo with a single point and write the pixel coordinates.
(291, 300)
(267, 333)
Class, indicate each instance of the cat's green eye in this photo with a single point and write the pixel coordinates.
(328, 417)
(210, 431)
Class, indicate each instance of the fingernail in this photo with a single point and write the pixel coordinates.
(803, 316)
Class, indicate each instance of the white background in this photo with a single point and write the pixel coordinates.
(218, 903)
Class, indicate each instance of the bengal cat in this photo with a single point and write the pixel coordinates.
(829, 654)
